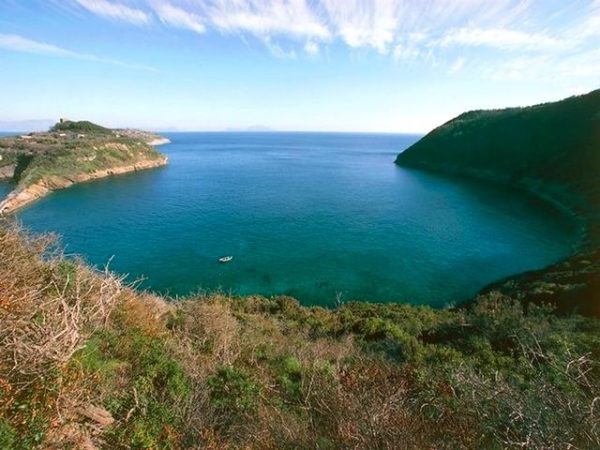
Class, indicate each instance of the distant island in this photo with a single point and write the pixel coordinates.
(71, 152)
(551, 150)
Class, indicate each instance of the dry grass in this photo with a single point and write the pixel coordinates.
(48, 308)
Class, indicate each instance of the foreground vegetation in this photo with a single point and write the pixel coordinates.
(87, 362)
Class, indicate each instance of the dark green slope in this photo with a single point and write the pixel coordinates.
(552, 149)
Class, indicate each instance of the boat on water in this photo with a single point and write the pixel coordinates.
(225, 259)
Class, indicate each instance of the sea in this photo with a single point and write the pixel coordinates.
(323, 217)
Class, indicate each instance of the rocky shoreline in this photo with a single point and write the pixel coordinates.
(22, 197)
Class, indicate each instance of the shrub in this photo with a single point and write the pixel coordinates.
(233, 392)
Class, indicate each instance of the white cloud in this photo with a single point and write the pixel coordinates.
(16, 43)
(503, 39)
(178, 17)
(365, 23)
(591, 25)
(458, 65)
(406, 52)
(502, 34)
(557, 68)
(115, 11)
(278, 51)
(267, 17)
(20, 44)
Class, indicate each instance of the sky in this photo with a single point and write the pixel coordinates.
(314, 65)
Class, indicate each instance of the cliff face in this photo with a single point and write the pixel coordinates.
(72, 152)
(551, 149)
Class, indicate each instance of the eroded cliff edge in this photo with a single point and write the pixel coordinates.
(70, 153)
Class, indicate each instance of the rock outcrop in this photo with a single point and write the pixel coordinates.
(7, 172)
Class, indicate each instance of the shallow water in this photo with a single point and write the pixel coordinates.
(5, 188)
(305, 214)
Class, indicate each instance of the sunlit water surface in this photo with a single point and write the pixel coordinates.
(305, 214)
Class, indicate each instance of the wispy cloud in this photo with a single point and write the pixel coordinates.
(503, 39)
(436, 32)
(458, 65)
(278, 51)
(364, 23)
(116, 11)
(179, 18)
(311, 48)
(16, 43)
(267, 17)
(20, 44)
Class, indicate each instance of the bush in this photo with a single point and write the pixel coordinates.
(233, 392)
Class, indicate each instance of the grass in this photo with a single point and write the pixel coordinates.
(221, 372)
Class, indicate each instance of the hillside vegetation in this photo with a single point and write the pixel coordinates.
(71, 152)
(82, 126)
(552, 149)
(87, 362)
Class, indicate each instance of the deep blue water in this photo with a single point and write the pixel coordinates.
(305, 214)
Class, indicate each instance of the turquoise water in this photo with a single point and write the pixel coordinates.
(5, 188)
(304, 214)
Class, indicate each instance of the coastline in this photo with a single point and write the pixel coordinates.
(571, 205)
(20, 198)
(570, 283)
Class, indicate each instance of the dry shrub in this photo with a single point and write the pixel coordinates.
(212, 328)
(205, 336)
(48, 308)
(143, 312)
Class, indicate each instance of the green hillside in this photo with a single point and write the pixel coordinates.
(83, 126)
(71, 152)
(552, 149)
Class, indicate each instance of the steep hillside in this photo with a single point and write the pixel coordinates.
(71, 152)
(86, 362)
(551, 149)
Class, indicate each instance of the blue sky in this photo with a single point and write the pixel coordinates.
(340, 65)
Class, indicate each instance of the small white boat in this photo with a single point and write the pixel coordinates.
(225, 259)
